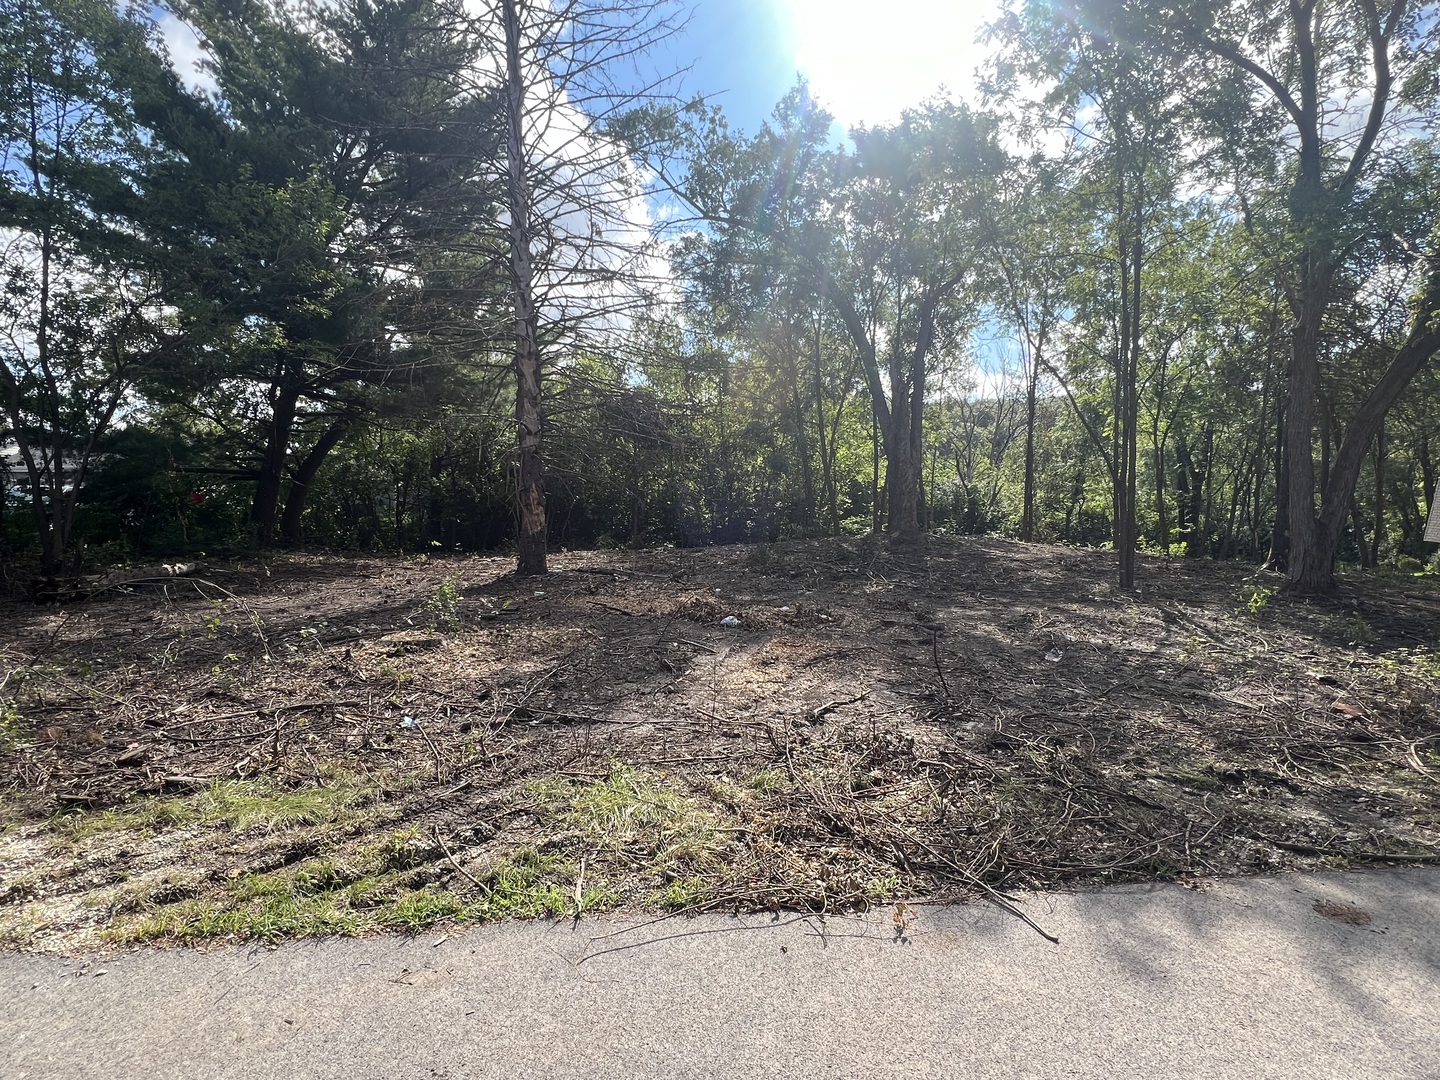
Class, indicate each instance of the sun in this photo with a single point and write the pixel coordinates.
(868, 60)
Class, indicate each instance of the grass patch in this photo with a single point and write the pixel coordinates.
(681, 895)
(327, 897)
(268, 915)
(526, 885)
(633, 815)
(239, 805)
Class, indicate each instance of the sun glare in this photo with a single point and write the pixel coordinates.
(867, 60)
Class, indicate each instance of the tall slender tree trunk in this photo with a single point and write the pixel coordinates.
(1380, 452)
(266, 507)
(1309, 566)
(902, 466)
(530, 541)
(1126, 390)
(1027, 514)
(1162, 511)
(827, 462)
(291, 527)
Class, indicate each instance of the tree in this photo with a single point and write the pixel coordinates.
(576, 239)
(1121, 108)
(1329, 84)
(325, 208)
(887, 234)
(80, 318)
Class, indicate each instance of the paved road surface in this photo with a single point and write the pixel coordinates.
(1246, 979)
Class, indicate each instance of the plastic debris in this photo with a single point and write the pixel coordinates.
(1054, 656)
(409, 723)
(730, 620)
(539, 594)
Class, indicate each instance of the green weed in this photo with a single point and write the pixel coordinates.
(681, 894)
(1259, 600)
(1354, 630)
(12, 733)
(526, 885)
(442, 609)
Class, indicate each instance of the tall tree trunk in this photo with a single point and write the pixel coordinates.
(1162, 511)
(1380, 452)
(1127, 391)
(827, 462)
(1309, 566)
(902, 472)
(1360, 546)
(1027, 514)
(1421, 344)
(266, 506)
(1206, 512)
(301, 480)
(530, 542)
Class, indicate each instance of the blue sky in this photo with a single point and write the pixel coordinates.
(743, 57)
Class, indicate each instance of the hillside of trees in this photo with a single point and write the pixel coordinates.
(419, 274)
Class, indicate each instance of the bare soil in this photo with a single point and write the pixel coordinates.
(321, 744)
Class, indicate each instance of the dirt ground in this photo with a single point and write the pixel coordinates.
(321, 745)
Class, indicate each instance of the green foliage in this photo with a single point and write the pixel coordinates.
(1354, 630)
(1259, 599)
(442, 608)
(259, 327)
(238, 805)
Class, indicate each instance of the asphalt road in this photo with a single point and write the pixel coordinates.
(1244, 979)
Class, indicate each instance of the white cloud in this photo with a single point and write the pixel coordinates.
(187, 52)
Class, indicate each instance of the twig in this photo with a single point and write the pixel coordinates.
(196, 740)
(580, 890)
(994, 895)
(696, 644)
(439, 765)
(830, 706)
(1368, 856)
(1414, 760)
(935, 650)
(450, 858)
(197, 582)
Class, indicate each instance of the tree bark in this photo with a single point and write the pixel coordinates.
(1378, 538)
(301, 480)
(268, 484)
(1421, 344)
(1027, 513)
(530, 542)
